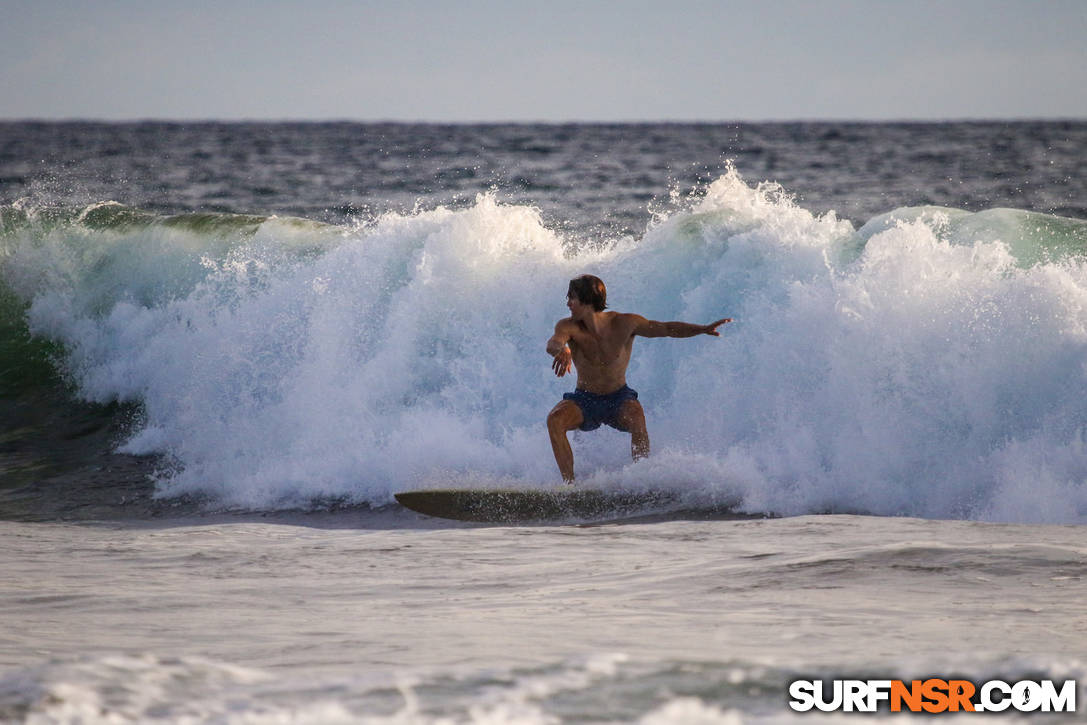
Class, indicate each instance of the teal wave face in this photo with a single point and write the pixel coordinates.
(1031, 237)
(26, 362)
(107, 253)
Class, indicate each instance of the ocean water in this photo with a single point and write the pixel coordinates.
(225, 347)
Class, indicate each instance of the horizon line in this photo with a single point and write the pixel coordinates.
(541, 122)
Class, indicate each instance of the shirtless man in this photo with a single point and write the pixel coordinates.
(598, 344)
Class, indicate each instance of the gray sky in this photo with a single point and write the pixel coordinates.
(548, 60)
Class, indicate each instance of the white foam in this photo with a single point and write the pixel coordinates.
(916, 366)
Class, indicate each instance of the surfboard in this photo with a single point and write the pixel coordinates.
(523, 505)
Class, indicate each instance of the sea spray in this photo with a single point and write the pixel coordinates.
(930, 363)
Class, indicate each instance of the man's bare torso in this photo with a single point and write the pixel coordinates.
(601, 357)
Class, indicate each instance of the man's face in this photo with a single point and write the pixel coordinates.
(574, 304)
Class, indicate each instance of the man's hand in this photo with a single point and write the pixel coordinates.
(711, 329)
(563, 361)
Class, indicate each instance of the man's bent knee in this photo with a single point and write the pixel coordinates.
(564, 416)
(632, 415)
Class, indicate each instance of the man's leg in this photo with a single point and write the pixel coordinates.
(632, 417)
(565, 416)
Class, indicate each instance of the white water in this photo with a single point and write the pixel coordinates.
(932, 366)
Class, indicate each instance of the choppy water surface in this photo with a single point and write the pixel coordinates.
(673, 622)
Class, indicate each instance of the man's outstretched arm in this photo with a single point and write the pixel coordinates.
(652, 328)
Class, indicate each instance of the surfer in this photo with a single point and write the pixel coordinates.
(598, 343)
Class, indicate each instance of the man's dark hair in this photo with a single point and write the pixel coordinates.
(589, 290)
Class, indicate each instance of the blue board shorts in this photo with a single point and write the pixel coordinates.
(597, 409)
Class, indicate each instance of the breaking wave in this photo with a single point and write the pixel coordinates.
(930, 363)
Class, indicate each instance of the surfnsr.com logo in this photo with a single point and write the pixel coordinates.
(933, 695)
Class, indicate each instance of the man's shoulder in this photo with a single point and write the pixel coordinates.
(631, 323)
(566, 325)
(626, 318)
